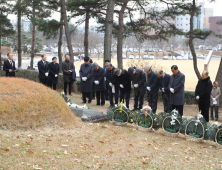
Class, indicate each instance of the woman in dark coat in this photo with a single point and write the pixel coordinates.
(53, 73)
(99, 83)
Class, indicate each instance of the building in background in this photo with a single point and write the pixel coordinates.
(214, 26)
(208, 13)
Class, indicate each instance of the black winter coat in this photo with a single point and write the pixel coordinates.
(203, 89)
(43, 69)
(7, 66)
(100, 77)
(125, 80)
(53, 70)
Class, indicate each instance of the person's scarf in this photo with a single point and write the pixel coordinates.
(96, 73)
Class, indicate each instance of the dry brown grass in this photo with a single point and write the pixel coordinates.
(26, 104)
(104, 146)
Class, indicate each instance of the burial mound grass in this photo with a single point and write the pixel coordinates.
(25, 104)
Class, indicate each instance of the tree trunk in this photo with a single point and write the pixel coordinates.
(219, 79)
(108, 31)
(33, 38)
(68, 38)
(60, 44)
(120, 35)
(191, 42)
(86, 38)
(19, 38)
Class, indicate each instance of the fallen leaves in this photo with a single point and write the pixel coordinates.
(101, 141)
(5, 149)
(30, 152)
(111, 152)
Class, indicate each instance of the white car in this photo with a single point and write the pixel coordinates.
(200, 56)
(185, 57)
(131, 57)
(165, 57)
(138, 57)
(55, 50)
(123, 56)
(145, 57)
(151, 57)
(136, 51)
(115, 56)
(179, 58)
(76, 58)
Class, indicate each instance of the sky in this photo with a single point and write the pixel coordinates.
(217, 7)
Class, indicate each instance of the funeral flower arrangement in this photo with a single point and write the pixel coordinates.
(196, 126)
(218, 136)
(73, 105)
(171, 123)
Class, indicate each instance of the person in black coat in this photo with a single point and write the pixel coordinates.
(9, 66)
(164, 87)
(53, 73)
(113, 84)
(124, 80)
(99, 82)
(43, 67)
(202, 93)
(107, 84)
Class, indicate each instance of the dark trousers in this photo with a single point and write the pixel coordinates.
(212, 112)
(166, 102)
(65, 87)
(179, 108)
(53, 86)
(204, 106)
(93, 91)
(87, 95)
(43, 81)
(126, 96)
(107, 92)
(116, 94)
(153, 99)
(141, 97)
(100, 94)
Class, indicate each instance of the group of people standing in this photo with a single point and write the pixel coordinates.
(113, 83)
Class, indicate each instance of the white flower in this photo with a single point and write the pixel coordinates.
(172, 122)
(198, 120)
(173, 117)
(155, 119)
(196, 124)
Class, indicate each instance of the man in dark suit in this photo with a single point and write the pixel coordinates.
(176, 87)
(164, 87)
(107, 84)
(137, 75)
(53, 73)
(100, 85)
(67, 67)
(9, 66)
(113, 84)
(43, 67)
(124, 81)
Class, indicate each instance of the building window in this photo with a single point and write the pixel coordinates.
(187, 18)
(186, 24)
(177, 24)
(181, 18)
(181, 24)
(177, 18)
(218, 30)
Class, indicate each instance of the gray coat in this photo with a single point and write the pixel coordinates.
(137, 78)
(215, 93)
(177, 83)
(65, 68)
(86, 71)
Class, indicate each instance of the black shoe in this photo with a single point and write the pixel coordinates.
(97, 104)
(93, 98)
(216, 120)
(89, 102)
(102, 105)
(212, 118)
(70, 94)
(83, 102)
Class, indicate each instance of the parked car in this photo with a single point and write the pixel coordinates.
(215, 49)
(165, 57)
(185, 57)
(191, 57)
(179, 58)
(131, 57)
(138, 57)
(115, 56)
(136, 51)
(123, 56)
(145, 57)
(76, 59)
(151, 57)
(55, 50)
(200, 56)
